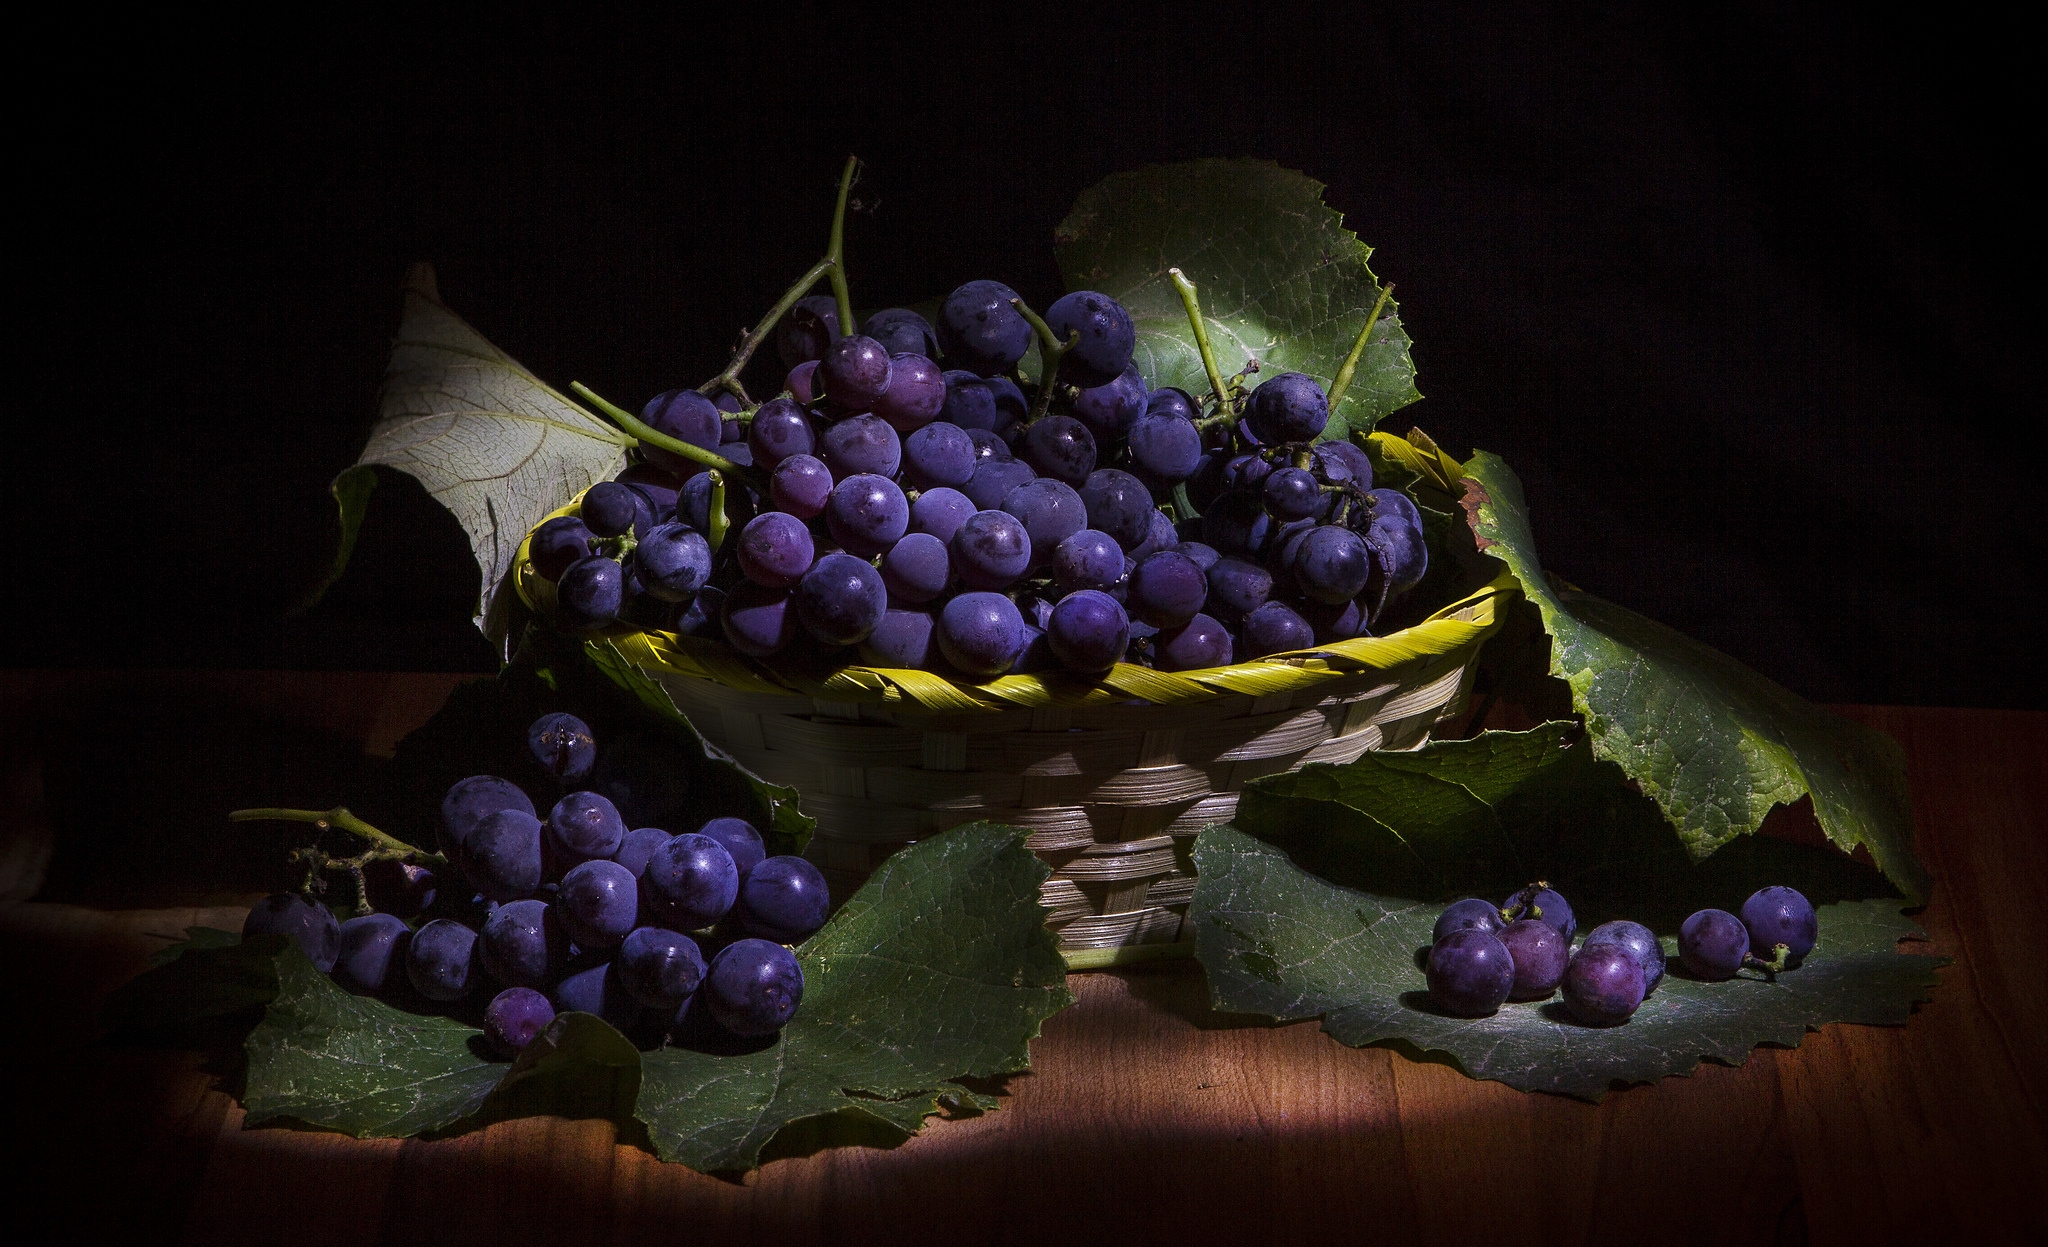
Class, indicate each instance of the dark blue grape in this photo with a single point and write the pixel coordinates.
(1172, 401)
(867, 514)
(583, 826)
(440, 960)
(991, 550)
(988, 445)
(1641, 944)
(1400, 555)
(700, 618)
(980, 331)
(1341, 463)
(754, 987)
(686, 416)
(1167, 590)
(469, 801)
(801, 485)
(971, 403)
(1088, 560)
(1236, 523)
(784, 899)
(941, 512)
(1340, 622)
(661, 968)
(1712, 944)
(401, 888)
(690, 882)
(305, 920)
(841, 599)
(1330, 564)
(902, 331)
(939, 454)
(861, 444)
(599, 990)
(1541, 902)
(1779, 915)
(1109, 410)
(1050, 511)
(1292, 494)
(1275, 628)
(758, 621)
(610, 508)
(1205, 557)
(558, 543)
(372, 953)
(917, 568)
(640, 844)
(993, 480)
(807, 329)
(1010, 401)
(523, 944)
(503, 857)
(563, 746)
(1470, 973)
(1059, 446)
(1237, 588)
(590, 594)
(1118, 504)
(599, 902)
(1165, 448)
(916, 394)
(903, 639)
(1199, 643)
(1470, 912)
(656, 485)
(780, 428)
(673, 562)
(1088, 631)
(1164, 536)
(514, 1017)
(775, 550)
(981, 633)
(1603, 985)
(693, 504)
(1540, 955)
(1105, 339)
(740, 839)
(1289, 407)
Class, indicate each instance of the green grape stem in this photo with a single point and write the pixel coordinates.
(655, 437)
(1350, 365)
(1050, 349)
(715, 521)
(1780, 955)
(1193, 305)
(383, 846)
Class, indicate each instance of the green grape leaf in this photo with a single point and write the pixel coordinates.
(489, 440)
(940, 967)
(1278, 940)
(1714, 743)
(1280, 279)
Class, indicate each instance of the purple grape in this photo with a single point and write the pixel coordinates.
(757, 621)
(1274, 628)
(1779, 915)
(701, 618)
(1110, 409)
(740, 839)
(855, 372)
(1088, 560)
(1292, 494)
(1712, 943)
(1205, 557)
(800, 485)
(1335, 623)
(902, 331)
(590, 594)
(691, 882)
(1118, 504)
(1540, 955)
(655, 485)
(583, 826)
(640, 844)
(1470, 912)
(1641, 944)
(599, 902)
(1603, 985)
(802, 382)
(1167, 589)
(867, 514)
(807, 329)
(693, 504)
(1400, 555)
(1050, 511)
(780, 428)
(1059, 446)
(469, 801)
(504, 857)
(1106, 337)
(754, 987)
(660, 968)
(440, 960)
(1088, 631)
(991, 550)
(558, 543)
(1470, 973)
(523, 944)
(1330, 564)
(1165, 448)
(610, 508)
(861, 444)
(993, 480)
(939, 454)
(599, 990)
(514, 1017)
(903, 639)
(309, 923)
(1289, 407)
(1236, 523)
(1341, 463)
(840, 600)
(784, 899)
(673, 562)
(988, 445)
(1164, 536)
(971, 403)
(1237, 588)
(917, 568)
(940, 512)
(1536, 901)
(916, 394)
(981, 633)
(372, 953)
(1199, 643)
(980, 331)
(563, 746)
(686, 416)
(775, 550)
(1172, 401)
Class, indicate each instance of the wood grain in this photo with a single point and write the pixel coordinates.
(1148, 1117)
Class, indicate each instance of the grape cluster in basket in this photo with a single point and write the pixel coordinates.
(963, 520)
(1483, 954)
(659, 934)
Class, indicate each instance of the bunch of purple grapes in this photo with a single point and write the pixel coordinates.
(912, 501)
(659, 934)
(1483, 955)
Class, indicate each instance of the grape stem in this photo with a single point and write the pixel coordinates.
(383, 847)
(1350, 366)
(832, 266)
(655, 437)
(1780, 954)
(715, 521)
(1188, 300)
(1050, 349)
(1182, 503)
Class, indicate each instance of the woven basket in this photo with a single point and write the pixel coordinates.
(1110, 778)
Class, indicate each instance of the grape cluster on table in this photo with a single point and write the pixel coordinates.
(912, 515)
(663, 935)
(1482, 955)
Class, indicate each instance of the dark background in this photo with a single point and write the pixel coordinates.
(1742, 294)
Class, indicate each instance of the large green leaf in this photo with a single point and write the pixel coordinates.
(489, 440)
(1275, 939)
(1280, 278)
(939, 968)
(1716, 744)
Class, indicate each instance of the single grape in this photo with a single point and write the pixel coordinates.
(1341, 463)
(1603, 985)
(855, 372)
(610, 508)
(661, 968)
(523, 944)
(841, 599)
(1289, 407)
(1712, 944)
(514, 1017)
(1292, 494)
(1331, 564)
(940, 512)
(1779, 915)
(1164, 536)
(981, 633)
(939, 454)
(440, 959)
(758, 621)
(807, 329)
(372, 953)
(1172, 401)
(993, 480)
(701, 618)
(980, 331)
(1165, 448)
(1540, 955)
(988, 445)
(1470, 973)
(598, 989)
(917, 568)
(1199, 643)
(1050, 511)
(583, 826)
(1205, 557)
(754, 987)
(673, 562)
(306, 920)
(800, 485)
(903, 639)
(1537, 901)
(1167, 589)
(654, 484)
(401, 888)
(780, 428)
(1118, 504)
(1340, 622)
(1641, 944)
(775, 550)
(469, 801)
(990, 550)
(1394, 532)
(740, 839)
(599, 902)
(1470, 912)
(504, 857)
(784, 899)
(970, 403)
(867, 514)
(558, 543)
(902, 331)
(640, 844)
(1110, 409)
(690, 882)
(1088, 560)
(1088, 631)
(686, 416)
(1103, 337)
(1059, 446)
(802, 382)
(590, 594)
(1237, 587)
(1275, 628)
(916, 394)
(563, 746)
(861, 444)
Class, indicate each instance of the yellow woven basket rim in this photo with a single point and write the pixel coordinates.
(1464, 623)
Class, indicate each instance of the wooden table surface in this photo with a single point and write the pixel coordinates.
(1147, 1117)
